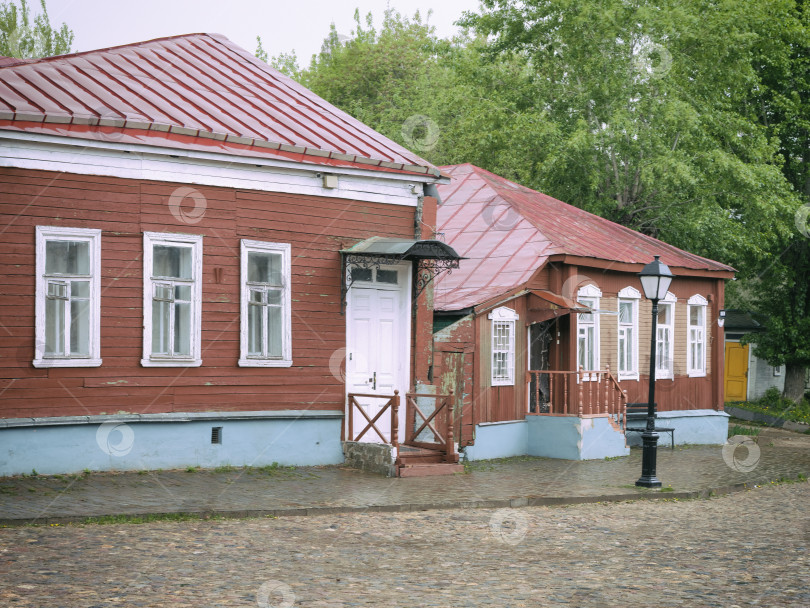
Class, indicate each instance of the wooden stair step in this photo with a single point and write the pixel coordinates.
(424, 470)
(421, 458)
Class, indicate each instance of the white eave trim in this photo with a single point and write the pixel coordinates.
(39, 151)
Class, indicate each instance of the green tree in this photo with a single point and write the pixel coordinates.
(781, 290)
(652, 107)
(24, 38)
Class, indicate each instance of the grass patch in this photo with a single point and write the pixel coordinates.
(743, 430)
(773, 404)
(147, 519)
(667, 489)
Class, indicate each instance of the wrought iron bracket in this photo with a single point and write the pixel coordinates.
(425, 270)
(349, 260)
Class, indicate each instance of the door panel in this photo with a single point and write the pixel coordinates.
(736, 372)
(373, 354)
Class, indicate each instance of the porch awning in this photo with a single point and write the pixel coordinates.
(554, 301)
(403, 249)
(430, 258)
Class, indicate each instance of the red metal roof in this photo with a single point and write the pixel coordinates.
(190, 91)
(507, 231)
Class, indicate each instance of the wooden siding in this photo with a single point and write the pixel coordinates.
(316, 228)
(682, 393)
(492, 404)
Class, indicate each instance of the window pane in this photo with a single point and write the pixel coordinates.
(160, 327)
(171, 261)
(273, 331)
(663, 315)
(696, 315)
(182, 328)
(499, 366)
(255, 330)
(628, 341)
(361, 274)
(80, 327)
(625, 312)
(387, 276)
(54, 327)
(264, 268)
(67, 257)
(80, 289)
(257, 296)
(182, 292)
(274, 297)
(57, 290)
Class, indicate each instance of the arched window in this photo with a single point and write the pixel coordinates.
(664, 368)
(588, 329)
(696, 337)
(628, 333)
(503, 346)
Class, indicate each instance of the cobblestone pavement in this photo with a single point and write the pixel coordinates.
(743, 549)
(516, 482)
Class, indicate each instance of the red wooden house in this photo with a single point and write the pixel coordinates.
(200, 259)
(544, 332)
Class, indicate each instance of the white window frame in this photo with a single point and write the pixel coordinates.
(503, 317)
(696, 301)
(633, 296)
(60, 233)
(245, 360)
(668, 373)
(590, 293)
(195, 242)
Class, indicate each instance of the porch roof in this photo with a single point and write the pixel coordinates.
(405, 249)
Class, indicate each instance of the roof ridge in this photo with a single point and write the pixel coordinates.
(37, 60)
(312, 126)
(505, 194)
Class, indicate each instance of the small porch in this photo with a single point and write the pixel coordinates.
(419, 430)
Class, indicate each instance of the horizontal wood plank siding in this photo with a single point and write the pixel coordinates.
(317, 228)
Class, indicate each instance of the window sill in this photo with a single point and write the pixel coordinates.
(696, 374)
(43, 363)
(628, 377)
(265, 363)
(171, 362)
(503, 383)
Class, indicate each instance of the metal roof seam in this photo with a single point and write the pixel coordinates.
(295, 89)
(269, 92)
(269, 108)
(231, 91)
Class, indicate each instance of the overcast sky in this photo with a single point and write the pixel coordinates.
(284, 25)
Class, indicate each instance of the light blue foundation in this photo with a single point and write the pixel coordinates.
(696, 427)
(566, 437)
(499, 440)
(169, 441)
(574, 438)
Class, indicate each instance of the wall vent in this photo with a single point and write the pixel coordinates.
(216, 434)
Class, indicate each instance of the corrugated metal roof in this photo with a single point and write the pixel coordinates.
(507, 231)
(187, 91)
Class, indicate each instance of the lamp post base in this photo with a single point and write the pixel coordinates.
(649, 453)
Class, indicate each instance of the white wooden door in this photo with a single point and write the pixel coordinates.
(374, 362)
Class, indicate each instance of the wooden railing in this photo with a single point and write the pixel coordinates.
(392, 403)
(576, 393)
(438, 423)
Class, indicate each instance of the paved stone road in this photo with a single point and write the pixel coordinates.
(531, 481)
(744, 549)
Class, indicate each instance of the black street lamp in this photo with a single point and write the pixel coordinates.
(655, 280)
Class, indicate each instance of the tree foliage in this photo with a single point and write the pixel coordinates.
(780, 292)
(24, 38)
(685, 119)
